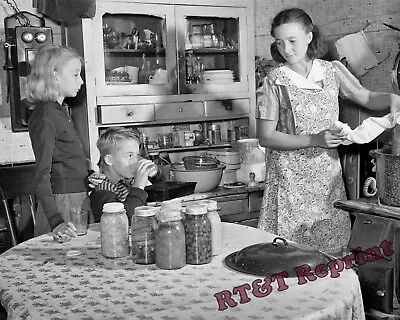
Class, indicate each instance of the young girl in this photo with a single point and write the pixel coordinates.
(61, 165)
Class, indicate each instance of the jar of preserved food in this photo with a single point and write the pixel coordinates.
(173, 205)
(143, 226)
(216, 226)
(170, 240)
(114, 231)
(197, 235)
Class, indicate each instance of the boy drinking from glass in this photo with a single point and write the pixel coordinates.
(126, 173)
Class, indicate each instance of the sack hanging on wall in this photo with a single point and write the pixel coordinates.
(355, 49)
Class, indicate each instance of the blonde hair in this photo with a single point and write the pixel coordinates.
(111, 139)
(41, 83)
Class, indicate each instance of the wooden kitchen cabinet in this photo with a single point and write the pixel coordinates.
(239, 206)
(198, 55)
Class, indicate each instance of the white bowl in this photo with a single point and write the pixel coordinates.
(206, 179)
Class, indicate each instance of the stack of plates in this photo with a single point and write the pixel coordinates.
(218, 76)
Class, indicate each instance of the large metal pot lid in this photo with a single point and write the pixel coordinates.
(267, 259)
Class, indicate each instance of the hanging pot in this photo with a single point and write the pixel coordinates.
(387, 176)
(267, 259)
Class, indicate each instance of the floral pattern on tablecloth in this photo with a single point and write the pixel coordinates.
(39, 281)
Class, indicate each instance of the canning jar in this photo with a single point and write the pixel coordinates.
(216, 226)
(143, 226)
(197, 235)
(114, 231)
(170, 240)
(173, 205)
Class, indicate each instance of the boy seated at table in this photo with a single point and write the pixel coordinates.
(126, 172)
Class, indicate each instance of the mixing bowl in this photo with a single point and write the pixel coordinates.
(206, 179)
(200, 162)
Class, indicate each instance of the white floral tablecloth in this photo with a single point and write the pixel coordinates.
(38, 280)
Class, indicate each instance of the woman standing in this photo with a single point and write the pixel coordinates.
(296, 109)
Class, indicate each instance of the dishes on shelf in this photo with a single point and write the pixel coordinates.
(218, 76)
(123, 75)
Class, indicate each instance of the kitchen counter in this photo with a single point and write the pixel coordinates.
(41, 279)
(240, 205)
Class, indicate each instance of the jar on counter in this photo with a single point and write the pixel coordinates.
(170, 250)
(173, 205)
(114, 231)
(143, 226)
(197, 235)
(216, 226)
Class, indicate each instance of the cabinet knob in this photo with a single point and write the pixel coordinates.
(180, 110)
(130, 113)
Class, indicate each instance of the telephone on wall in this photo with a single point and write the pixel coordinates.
(25, 33)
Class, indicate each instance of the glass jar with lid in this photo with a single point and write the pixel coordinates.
(197, 235)
(253, 160)
(173, 205)
(143, 226)
(114, 231)
(170, 250)
(216, 225)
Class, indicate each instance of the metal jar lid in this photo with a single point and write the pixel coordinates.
(146, 211)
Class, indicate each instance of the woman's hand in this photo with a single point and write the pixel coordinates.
(144, 167)
(329, 138)
(64, 232)
(95, 179)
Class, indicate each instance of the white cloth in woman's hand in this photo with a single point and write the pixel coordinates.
(369, 129)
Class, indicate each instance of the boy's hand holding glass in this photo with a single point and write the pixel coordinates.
(95, 179)
(145, 169)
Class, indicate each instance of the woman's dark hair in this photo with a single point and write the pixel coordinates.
(316, 48)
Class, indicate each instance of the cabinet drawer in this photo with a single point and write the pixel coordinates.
(226, 108)
(232, 204)
(126, 113)
(184, 110)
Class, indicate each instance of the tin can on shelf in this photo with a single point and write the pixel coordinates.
(143, 226)
(197, 235)
(214, 134)
(114, 231)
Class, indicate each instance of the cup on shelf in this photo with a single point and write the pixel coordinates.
(133, 73)
(160, 76)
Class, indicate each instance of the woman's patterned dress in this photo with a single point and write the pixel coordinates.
(301, 185)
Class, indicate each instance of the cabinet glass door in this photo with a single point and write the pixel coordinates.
(212, 46)
(134, 49)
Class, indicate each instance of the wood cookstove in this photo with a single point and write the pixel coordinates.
(379, 278)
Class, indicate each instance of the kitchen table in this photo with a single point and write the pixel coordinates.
(42, 279)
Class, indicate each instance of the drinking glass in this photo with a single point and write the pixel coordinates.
(79, 218)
